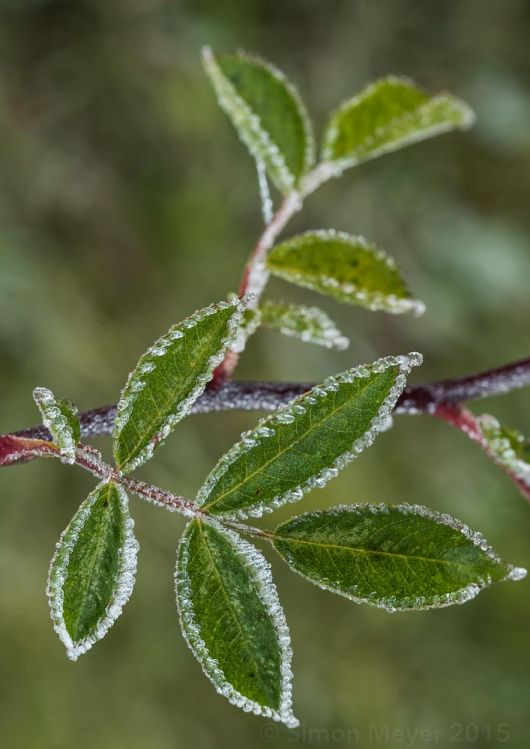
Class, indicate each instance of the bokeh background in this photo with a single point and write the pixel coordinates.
(126, 201)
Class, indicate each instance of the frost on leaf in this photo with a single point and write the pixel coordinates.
(309, 324)
(306, 443)
(267, 113)
(400, 557)
(169, 378)
(233, 621)
(387, 115)
(61, 419)
(92, 572)
(345, 267)
(508, 447)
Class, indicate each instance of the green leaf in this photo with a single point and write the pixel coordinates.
(169, 378)
(345, 267)
(92, 572)
(267, 113)
(387, 115)
(399, 557)
(309, 324)
(61, 419)
(233, 621)
(508, 447)
(306, 443)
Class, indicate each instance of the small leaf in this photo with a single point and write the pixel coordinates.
(306, 443)
(508, 447)
(267, 113)
(345, 267)
(309, 324)
(387, 115)
(169, 378)
(92, 572)
(61, 419)
(394, 557)
(233, 621)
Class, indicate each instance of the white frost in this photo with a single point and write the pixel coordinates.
(261, 573)
(56, 423)
(59, 568)
(288, 414)
(149, 362)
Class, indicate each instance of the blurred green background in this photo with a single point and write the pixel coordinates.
(126, 202)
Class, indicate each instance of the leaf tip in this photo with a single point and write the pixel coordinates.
(516, 573)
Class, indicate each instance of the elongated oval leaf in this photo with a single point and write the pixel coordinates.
(267, 113)
(306, 443)
(309, 324)
(169, 378)
(61, 419)
(508, 447)
(92, 572)
(233, 621)
(345, 267)
(389, 114)
(395, 557)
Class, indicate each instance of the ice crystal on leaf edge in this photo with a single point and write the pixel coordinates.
(288, 413)
(261, 572)
(124, 583)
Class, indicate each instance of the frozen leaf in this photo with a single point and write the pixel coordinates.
(395, 557)
(169, 378)
(92, 572)
(233, 621)
(345, 267)
(508, 447)
(306, 443)
(61, 419)
(250, 322)
(387, 115)
(267, 113)
(310, 324)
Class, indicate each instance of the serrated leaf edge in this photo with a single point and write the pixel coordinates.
(375, 301)
(468, 118)
(390, 605)
(261, 573)
(331, 338)
(134, 386)
(243, 114)
(124, 582)
(56, 423)
(265, 429)
(501, 449)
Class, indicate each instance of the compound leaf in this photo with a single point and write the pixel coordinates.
(92, 572)
(387, 115)
(61, 419)
(267, 113)
(169, 378)
(345, 267)
(306, 443)
(309, 324)
(232, 620)
(394, 557)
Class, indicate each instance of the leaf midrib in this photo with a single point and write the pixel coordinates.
(160, 411)
(263, 466)
(229, 601)
(93, 557)
(367, 552)
(386, 131)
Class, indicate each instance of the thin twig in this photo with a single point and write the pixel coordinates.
(268, 396)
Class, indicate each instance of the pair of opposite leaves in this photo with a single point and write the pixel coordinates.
(400, 557)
